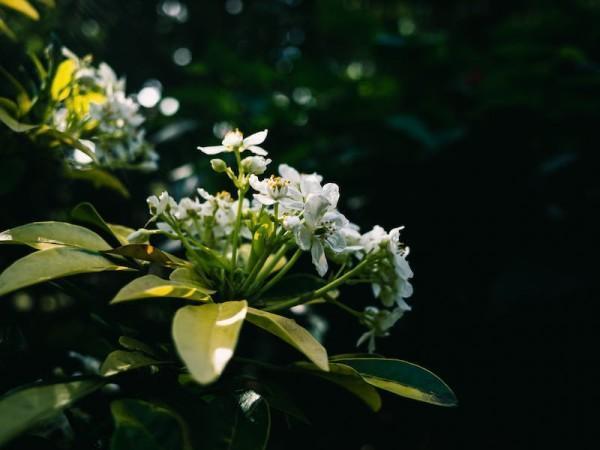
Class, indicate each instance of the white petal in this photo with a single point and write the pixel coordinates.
(303, 237)
(310, 184)
(336, 242)
(318, 258)
(263, 199)
(258, 185)
(256, 138)
(314, 209)
(213, 150)
(258, 150)
(332, 192)
(376, 290)
(291, 222)
(204, 194)
(289, 173)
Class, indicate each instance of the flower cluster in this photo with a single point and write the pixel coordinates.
(90, 104)
(239, 245)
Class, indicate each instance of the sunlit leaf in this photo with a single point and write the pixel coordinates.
(186, 275)
(206, 336)
(144, 425)
(348, 378)
(404, 379)
(62, 79)
(147, 252)
(121, 232)
(44, 235)
(26, 408)
(122, 361)
(13, 123)
(292, 333)
(58, 262)
(151, 286)
(23, 6)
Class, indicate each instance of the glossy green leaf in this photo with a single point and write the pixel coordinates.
(121, 232)
(23, 6)
(122, 361)
(148, 426)
(151, 286)
(404, 379)
(46, 265)
(13, 123)
(186, 275)
(147, 252)
(348, 378)
(44, 235)
(26, 408)
(87, 214)
(292, 333)
(206, 336)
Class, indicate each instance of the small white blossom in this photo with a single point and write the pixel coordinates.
(234, 140)
(161, 204)
(320, 229)
(379, 322)
(256, 165)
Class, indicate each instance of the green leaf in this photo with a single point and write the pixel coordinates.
(26, 408)
(206, 336)
(23, 6)
(136, 345)
(4, 28)
(68, 140)
(87, 214)
(121, 232)
(404, 379)
(292, 333)
(348, 378)
(144, 425)
(151, 286)
(46, 265)
(13, 123)
(186, 275)
(122, 361)
(147, 252)
(44, 235)
(99, 178)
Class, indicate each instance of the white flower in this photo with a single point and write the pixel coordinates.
(188, 208)
(161, 204)
(234, 140)
(270, 190)
(390, 275)
(256, 165)
(320, 229)
(302, 185)
(379, 322)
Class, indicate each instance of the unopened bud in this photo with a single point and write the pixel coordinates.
(218, 165)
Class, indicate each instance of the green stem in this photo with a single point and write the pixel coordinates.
(319, 292)
(266, 270)
(339, 304)
(285, 269)
(238, 219)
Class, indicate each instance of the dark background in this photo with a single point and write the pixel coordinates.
(474, 124)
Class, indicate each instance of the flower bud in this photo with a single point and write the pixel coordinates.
(256, 165)
(218, 165)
